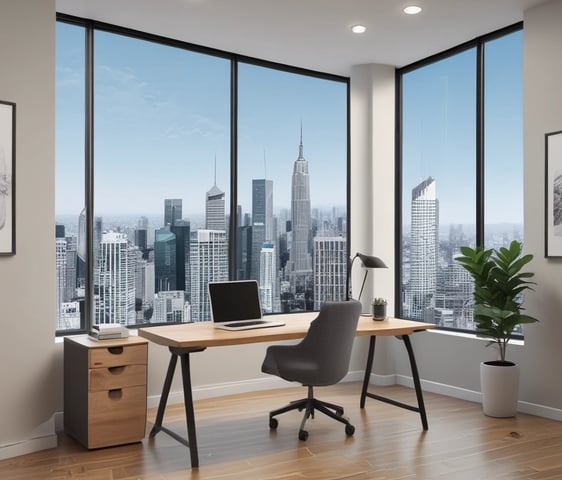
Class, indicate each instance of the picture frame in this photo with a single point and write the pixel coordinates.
(553, 194)
(7, 178)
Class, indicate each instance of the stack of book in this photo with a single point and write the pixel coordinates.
(108, 331)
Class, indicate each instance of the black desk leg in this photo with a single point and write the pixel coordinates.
(368, 369)
(164, 397)
(189, 415)
(415, 375)
(191, 441)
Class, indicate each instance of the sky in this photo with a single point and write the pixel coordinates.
(162, 123)
(439, 133)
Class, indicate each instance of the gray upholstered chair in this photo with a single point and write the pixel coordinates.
(320, 359)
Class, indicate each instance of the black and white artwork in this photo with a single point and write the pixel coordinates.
(553, 194)
(7, 178)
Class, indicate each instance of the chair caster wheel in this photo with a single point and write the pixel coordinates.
(349, 430)
(273, 423)
(303, 435)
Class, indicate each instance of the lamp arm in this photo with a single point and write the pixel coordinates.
(349, 271)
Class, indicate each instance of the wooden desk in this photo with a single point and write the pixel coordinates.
(184, 339)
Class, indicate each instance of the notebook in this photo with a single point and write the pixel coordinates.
(235, 305)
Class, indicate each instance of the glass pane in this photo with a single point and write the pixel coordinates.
(292, 193)
(161, 182)
(69, 177)
(438, 189)
(503, 180)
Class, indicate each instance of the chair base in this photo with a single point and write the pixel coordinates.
(310, 405)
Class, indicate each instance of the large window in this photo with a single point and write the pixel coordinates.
(195, 167)
(461, 171)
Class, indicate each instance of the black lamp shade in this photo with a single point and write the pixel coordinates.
(370, 261)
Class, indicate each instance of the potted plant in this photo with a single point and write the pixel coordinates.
(499, 283)
(378, 306)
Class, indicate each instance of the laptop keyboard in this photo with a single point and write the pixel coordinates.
(246, 324)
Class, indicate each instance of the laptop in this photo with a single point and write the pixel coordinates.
(235, 305)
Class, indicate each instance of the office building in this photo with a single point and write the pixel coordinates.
(267, 279)
(114, 280)
(164, 260)
(424, 249)
(330, 270)
(172, 210)
(214, 209)
(209, 263)
(182, 230)
(300, 214)
(262, 220)
(170, 307)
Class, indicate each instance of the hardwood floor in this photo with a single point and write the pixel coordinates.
(235, 443)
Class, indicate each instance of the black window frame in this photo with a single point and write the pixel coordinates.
(90, 26)
(478, 44)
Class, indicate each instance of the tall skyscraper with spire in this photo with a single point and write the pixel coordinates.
(214, 207)
(424, 249)
(301, 222)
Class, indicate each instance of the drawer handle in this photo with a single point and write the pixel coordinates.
(115, 394)
(115, 350)
(116, 370)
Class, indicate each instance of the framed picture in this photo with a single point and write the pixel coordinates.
(553, 194)
(7, 178)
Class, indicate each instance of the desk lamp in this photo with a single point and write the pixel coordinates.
(367, 261)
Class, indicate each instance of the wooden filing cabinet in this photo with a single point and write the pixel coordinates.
(105, 390)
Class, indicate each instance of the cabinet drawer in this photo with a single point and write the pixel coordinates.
(118, 356)
(117, 377)
(117, 416)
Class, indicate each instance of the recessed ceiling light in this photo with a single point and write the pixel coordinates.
(358, 28)
(412, 9)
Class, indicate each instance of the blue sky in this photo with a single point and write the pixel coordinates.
(439, 133)
(162, 116)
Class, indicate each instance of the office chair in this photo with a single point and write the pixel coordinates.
(320, 359)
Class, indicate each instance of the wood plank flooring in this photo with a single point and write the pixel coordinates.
(235, 443)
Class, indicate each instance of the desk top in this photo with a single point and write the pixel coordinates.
(204, 334)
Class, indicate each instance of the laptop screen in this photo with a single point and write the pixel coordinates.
(235, 300)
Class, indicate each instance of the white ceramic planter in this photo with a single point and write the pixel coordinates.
(500, 388)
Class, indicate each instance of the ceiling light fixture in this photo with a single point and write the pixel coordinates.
(358, 28)
(412, 9)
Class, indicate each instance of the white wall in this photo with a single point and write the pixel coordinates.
(31, 366)
(30, 379)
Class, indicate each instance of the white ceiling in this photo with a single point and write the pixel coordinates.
(311, 34)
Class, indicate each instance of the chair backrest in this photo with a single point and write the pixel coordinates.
(329, 340)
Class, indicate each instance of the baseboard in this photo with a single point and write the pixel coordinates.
(42, 438)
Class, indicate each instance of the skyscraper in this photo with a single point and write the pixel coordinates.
(164, 260)
(208, 263)
(172, 210)
(214, 209)
(424, 250)
(181, 229)
(114, 280)
(262, 220)
(330, 270)
(300, 214)
(268, 279)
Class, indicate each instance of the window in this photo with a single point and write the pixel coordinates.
(168, 197)
(69, 189)
(461, 171)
